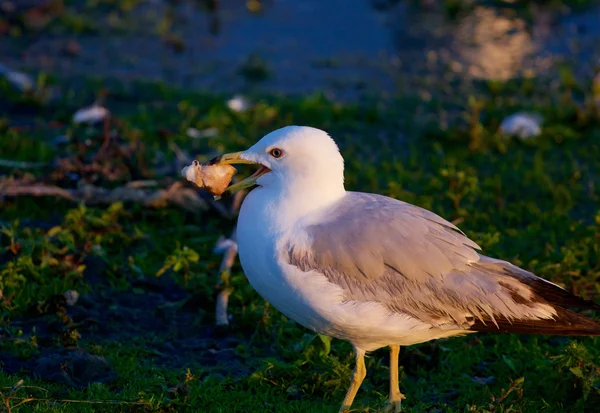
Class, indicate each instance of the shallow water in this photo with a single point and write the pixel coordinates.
(342, 47)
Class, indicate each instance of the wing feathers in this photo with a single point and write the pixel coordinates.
(416, 263)
(566, 323)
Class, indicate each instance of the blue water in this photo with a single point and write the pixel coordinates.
(341, 47)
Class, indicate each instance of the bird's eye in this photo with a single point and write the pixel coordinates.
(276, 153)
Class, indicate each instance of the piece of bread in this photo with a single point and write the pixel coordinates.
(215, 178)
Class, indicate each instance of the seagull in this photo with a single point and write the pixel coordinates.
(373, 270)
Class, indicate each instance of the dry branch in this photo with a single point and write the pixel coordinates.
(8, 163)
(229, 249)
(176, 194)
(23, 400)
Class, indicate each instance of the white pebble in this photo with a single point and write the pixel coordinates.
(224, 244)
(71, 297)
(523, 125)
(192, 133)
(21, 81)
(238, 103)
(91, 114)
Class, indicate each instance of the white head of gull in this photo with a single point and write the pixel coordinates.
(374, 270)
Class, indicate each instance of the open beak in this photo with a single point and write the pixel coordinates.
(235, 158)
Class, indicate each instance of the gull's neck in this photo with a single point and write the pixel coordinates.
(298, 199)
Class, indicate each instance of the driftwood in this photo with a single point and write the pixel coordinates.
(9, 163)
(228, 247)
(137, 192)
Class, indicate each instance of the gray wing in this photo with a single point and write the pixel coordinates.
(416, 263)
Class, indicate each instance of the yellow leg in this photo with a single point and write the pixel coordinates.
(358, 375)
(395, 403)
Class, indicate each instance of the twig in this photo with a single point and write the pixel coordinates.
(19, 385)
(221, 209)
(7, 163)
(142, 184)
(16, 188)
(29, 399)
(236, 204)
(6, 399)
(229, 249)
(25, 128)
(106, 142)
(182, 157)
(514, 385)
(176, 194)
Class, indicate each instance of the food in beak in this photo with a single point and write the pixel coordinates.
(215, 178)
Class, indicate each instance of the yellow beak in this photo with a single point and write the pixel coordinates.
(235, 158)
(229, 158)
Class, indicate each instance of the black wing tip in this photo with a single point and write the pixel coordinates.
(566, 323)
(560, 297)
(553, 293)
(590, 305)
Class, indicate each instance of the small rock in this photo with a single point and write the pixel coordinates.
(92, 114)
(19, 80)
(179, 390)
(192, 133)
(294, 392)
(76, 369)
(484, 381)
(71, 297)
(523, 125)
(239, 104)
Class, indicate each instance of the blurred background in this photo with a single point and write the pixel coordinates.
(340, 47)
(120, 289)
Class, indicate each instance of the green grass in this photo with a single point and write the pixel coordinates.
(534, 203)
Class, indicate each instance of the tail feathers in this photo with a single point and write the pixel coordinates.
(546, 290)
(565, 323)
(556, 295)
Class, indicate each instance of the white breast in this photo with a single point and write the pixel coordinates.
(257, 243)
(308, 297)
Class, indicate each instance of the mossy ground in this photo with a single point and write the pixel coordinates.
(534, 203)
